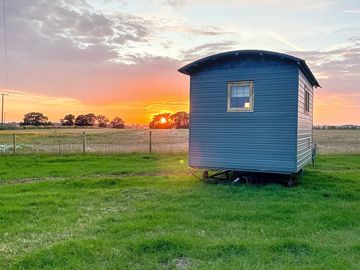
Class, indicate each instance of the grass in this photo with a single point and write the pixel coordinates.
(134, 211)
(69, 140)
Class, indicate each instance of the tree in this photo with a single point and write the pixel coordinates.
(180, 119)
(102, 121)
(80, 120)
(162, 120)
(35, 119)
(90, 118)
(87, 120)
(117, 122)
(68, 120)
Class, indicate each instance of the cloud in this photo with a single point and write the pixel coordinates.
(63, 48)
(338, 71)
(130, 28)
(207, 49)
(336, 62)
(285, 41)
(282, 4)
(356, 39)
(70, 31)
(200, 30)
(352, 11)
(176, 3)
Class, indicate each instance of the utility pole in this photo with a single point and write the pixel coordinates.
(2, 107)
(5, 65)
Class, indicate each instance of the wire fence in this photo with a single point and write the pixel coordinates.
(72, 140)
(94, 141)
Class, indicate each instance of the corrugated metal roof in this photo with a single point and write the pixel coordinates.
(203, 62)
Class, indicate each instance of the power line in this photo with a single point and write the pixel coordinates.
(5, 48)
(5, 65)
(2, 107)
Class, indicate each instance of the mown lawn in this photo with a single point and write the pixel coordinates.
(148, 212)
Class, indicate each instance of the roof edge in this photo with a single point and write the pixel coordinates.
(196, 65)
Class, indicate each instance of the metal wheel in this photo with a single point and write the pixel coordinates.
(291, 182)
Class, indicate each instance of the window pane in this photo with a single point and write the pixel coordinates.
(240, 96)
(236, 91)
(240, 102)
(246, 91)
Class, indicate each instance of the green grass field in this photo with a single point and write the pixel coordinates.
(135, 211)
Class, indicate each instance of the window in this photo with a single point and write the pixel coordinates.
(306, 101)
(240, 96)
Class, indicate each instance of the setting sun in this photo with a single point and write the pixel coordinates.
(163, 120)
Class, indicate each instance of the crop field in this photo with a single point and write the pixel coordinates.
(137, 141)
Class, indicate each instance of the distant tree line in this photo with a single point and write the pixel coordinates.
(83, 120)
(178, 120)
(91, 120)
(341, 127)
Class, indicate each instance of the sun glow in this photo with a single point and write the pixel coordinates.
(163, 120)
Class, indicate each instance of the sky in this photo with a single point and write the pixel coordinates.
(120, 57)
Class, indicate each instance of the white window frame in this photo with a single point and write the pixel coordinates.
(306, 101)
(251, 93)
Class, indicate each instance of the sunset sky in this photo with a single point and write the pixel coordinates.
(120, 57)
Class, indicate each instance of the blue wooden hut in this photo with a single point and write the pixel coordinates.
(251, 110)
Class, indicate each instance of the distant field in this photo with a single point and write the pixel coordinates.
(337, 141)
(137, 140)
(136, 211)
(97, 140)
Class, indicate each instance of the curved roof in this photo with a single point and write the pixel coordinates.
(203, 62)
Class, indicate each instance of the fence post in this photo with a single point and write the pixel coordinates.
(84, 142)
(59, 142)
(14, 143)
(150, 150)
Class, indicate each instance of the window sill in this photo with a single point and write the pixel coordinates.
(240, 110)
